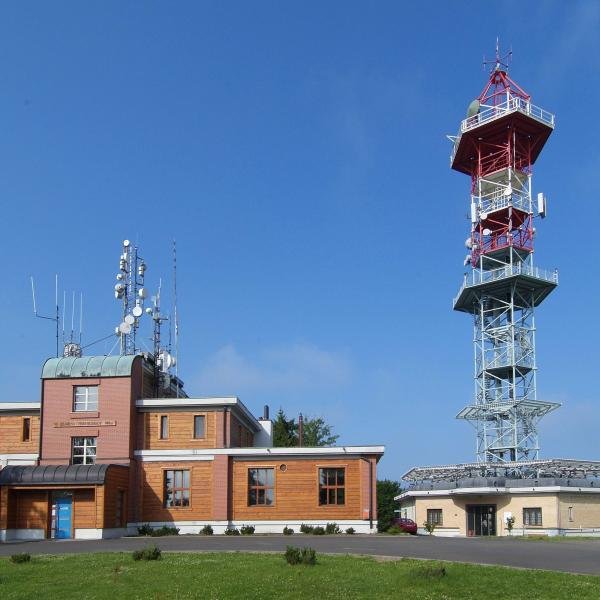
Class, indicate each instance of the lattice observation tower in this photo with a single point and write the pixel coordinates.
(497, 146)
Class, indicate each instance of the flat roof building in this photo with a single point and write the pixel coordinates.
(99, 456)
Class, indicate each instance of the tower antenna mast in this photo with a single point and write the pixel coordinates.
(56, 317)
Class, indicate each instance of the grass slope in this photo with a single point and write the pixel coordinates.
(238, 575)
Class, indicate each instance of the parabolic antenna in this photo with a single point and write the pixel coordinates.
(125, 328)
(129, 319)
(137, 311)
(486, 231)
(126, 243)
(473, 108)
(483, 216)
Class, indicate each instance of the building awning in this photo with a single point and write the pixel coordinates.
(54, 475)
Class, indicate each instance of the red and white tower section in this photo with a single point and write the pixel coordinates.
(497, 146)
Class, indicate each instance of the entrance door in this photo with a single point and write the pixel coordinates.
(63, 506)
(481, 519)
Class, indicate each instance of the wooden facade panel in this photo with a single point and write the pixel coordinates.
(11, 437)
(296, 494)
(114, 509)
(31, 510)
(84, 509)
(180, 430)
(239, 435)
(200, 507)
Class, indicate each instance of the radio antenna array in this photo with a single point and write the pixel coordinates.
(56, 317)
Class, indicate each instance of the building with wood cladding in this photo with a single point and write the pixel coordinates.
(100, 455)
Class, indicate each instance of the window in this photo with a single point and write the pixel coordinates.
(83, 451)
(120, 509)
(434, 515)
(199, 426)
(177, 488)
(260, 487)
(532, 516)
(570, 513)
(26, 433)
(85, 398)
(332, 486)
(164, 427)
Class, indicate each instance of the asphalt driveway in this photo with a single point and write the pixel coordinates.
(569, 556)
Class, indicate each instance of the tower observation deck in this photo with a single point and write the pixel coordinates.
(497, 146)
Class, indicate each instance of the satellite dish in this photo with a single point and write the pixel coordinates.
(148, 310)
(124, 328)
(483, 216)
(137, 311)
(486, 231)
(473, 108)
(126, 243)
(469, 243)
(129, 319)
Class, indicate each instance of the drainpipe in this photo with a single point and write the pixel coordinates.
(370, 493)
(41, 424)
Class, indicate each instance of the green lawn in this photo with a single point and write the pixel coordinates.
(239, 575)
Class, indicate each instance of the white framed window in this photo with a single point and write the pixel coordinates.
(85, 398)
(435, 516)
(83, 450)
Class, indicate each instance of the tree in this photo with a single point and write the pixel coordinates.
(315, 432)
(386, 491)
(284, 431)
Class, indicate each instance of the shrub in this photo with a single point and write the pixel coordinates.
(164, 530)
(288, 531)
(297, 556)
(232, 531)
(292, 555)
(18, 559)
(395, 530)
(429, 527)
(332, 528)
(430, 572)
(318, 530)
(150, 553)
(145, 529)
(207, 530)
(308, 556)
(247, 529)
(350, 531)
(307, 528)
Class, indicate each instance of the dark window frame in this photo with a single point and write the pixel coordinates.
(331, 491)
(261, 494)
(163, 427)
(194, 432)
(532, 516)
(435, 516)
(181, 495)
(26, 429)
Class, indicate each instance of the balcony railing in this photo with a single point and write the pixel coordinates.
(479, 276)
(491, 113)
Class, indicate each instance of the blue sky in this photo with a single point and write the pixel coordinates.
(297, 153)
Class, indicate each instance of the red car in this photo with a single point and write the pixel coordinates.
(407, 525)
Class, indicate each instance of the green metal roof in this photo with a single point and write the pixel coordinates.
(89, 366)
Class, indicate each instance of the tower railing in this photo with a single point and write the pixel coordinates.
(479, 276)
(491, 113)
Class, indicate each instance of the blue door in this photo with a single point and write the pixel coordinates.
(63, 517)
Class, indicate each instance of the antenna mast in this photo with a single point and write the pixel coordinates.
(56, 317)
(130, 289)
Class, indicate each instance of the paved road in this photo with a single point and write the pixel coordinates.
(573, 557)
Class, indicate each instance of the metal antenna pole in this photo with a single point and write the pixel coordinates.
(176, 316)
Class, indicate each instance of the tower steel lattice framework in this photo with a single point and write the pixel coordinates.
(497, 146)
